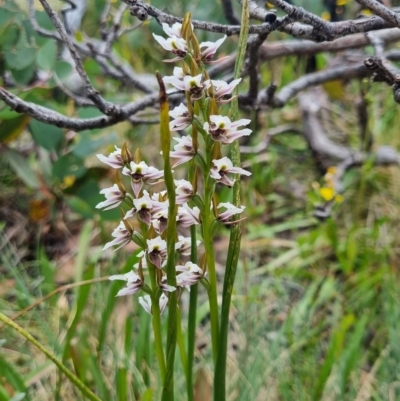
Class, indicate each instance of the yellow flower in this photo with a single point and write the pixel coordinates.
(327, 193)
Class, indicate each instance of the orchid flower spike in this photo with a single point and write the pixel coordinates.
(156, 251)
(181, 116)
(177, 46)
(146, 303)
(191, 274)
(194, 85)
(159, 215)
(184, 191)
(184, 150)
(141, 174)
(222, 167)
(223, 130)
(208, 50)
(114, 197)
(188, 217)
(133, 283)
(143, 206)
(222, 88)
(114, 159)
(184, 244)
(230, 211)
(122, 237)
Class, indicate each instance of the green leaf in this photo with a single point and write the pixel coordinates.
(44, 21)
(20, 56)
(63, 70)
(89, 112)
(89, 191)
(148, 395)
(68, 165)
(5, 17)
(47, 269)
(80, 302)
(47, 56)
(23, 77)
(11, 128)
(21, 168)
(352, 353)
(46, 135)
(334, 351)
(10, 35)
(79, 206)
(11, 5)
(12, 377)
(88, 145)
(18, 397)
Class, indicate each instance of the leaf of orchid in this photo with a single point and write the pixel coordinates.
(198, 202)
(139, 240)
(199, 126)
(215, 227)
(199, 160)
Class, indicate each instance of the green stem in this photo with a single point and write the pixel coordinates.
(192, 321)
(171, 233)
(181, 342)
(212, 274)
(155, 308)
(74, 380)
(235, 237)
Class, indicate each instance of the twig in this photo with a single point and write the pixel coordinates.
(313, 79)
(253, 52)
(379, 9)
(54, 118)
(383, 71)
(229, 13)
(328, 151)
(104, 106)
(263, 144)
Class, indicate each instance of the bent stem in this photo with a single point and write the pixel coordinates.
(74, 379)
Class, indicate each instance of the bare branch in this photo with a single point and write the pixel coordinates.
(49, 116)
(310, 80)
(229, 13)
(329, 151)
(106, 107)
(253, 50)
(320, 30)
(379, 9)
(263, 144)
(270, 51)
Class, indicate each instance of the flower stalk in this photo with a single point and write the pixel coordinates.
(235, 237)
(168, 388)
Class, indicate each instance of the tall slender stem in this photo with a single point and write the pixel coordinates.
(155, 308)
(181, 342)
(235, 237)
(194, 289)
(212, 274)
(171, 233)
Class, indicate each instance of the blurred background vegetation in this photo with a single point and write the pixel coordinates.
(316, 309)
